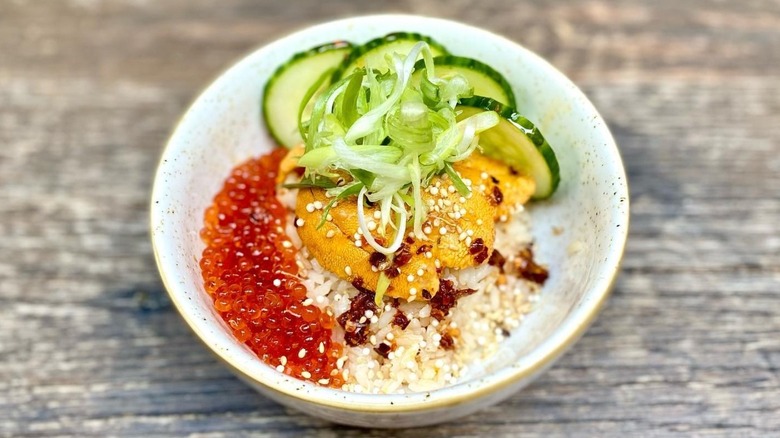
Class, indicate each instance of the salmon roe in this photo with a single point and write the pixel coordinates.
(249, 269)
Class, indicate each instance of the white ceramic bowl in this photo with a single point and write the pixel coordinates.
(223, 127)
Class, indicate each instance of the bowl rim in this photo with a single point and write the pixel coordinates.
(546, 353)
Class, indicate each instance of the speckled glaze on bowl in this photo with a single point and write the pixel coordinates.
(589, 213)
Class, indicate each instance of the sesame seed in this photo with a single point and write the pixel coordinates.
(340, 362)
(358, 243)
(420, 272)
(437, 263)
(318, 205)
(306, 375)
(283, 360)
(451, 189)
(479, 221)
(329, 217)
(374, 319)
(428, 254)
(310, 207)
(390, 335)
(363, 319)
(434, 190)
(371, 225)
(299, 222)
(410, 278)
(462, 200)
(483, 175)
(302, 353)
(323, 381)
(277, 282)
(468, 241)
(427, 230)
(307, 302)
(287, 244)
(369, 313)
(330, 234)
(443, 230)
(348, 270)
(280, 368)
(377, 215)
(503, 218)
(321, 349)
(412, 291)
(372, 339)
(470, 232)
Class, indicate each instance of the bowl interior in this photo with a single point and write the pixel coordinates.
(580, 233)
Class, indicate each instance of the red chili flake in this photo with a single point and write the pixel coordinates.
(422, 249)
(446, 298)
(355, 331)
(447, 342)
(400, 319)
(378, 260)
(527, 268)
(402, 255)
(383, 349)
(496, 197)
(498, 260)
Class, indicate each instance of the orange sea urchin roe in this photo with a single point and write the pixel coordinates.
(249, 269)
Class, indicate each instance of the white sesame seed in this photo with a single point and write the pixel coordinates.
(318, 205)
(372, 339)
(277, 282)
(330, 234)
(412, 291)
(320, 299)
(283, 360)
(299, 222)
(358, 243)
(428, 254)
(427, 230)
(310, 207)
(280, 368)
(451, 189)
(443, 230)
(329, 217)
(377, 215)
(371, 225)
(390, 335)
(363, 319)
(503, 218)
(437, 263)
(369, 313)
(348, 270)
(321, 348)
(468, 241)
(434, 190)
(479, 221)
(307, 302)
(323, 381)
(374, 319)
(462, 200)
(410, 278)
(302, 353)
(420, 272)
(340, 362)
(470, 232)
(306, 375)
(287, 244)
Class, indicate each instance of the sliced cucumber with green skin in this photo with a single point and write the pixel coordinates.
(517, 142)
(485, 80)
(373, 52)
(288, 86)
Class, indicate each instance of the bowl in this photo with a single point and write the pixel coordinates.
(580, 232)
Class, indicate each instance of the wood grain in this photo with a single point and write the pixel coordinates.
(689, 344)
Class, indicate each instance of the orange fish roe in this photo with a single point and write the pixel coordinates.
(249, 269)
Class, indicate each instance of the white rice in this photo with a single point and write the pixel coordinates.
(478, 323)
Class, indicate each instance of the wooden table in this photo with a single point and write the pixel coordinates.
(688, 344)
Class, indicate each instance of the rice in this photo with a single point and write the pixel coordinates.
(417, 361)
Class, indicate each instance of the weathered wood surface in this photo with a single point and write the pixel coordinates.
(688, 344)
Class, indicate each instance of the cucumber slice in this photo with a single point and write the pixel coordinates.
(373, 52)
(485, 80)
(517, 142)
(288, 86)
